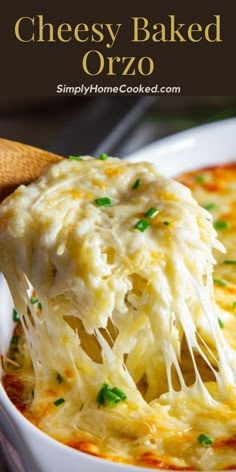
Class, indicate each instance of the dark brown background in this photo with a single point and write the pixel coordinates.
(34, 69)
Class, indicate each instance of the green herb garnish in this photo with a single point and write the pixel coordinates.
(166, 223)
(119, 393)
(100, 396)
(34, 300)
(142, 225)
(234, 305)
(14, 340)
(151, 212)
(59, 378)
(221, 324)
(200, 179)
(15, 316)
(111, 396)
(220, 282)
(205, 440)
(221, 224)
(103, 201)
(136, 184)
(59, 401)
(228, 261)
(103, 156)
(209, 206)
(75, 158)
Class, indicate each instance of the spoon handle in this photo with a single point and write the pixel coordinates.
(21, 164)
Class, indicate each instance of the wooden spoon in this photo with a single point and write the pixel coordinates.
(21, 164)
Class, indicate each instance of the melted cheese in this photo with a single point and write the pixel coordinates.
(120, 306)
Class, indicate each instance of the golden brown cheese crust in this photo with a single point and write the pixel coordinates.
(215, 188)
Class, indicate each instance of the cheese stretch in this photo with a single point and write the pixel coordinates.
(121, 261)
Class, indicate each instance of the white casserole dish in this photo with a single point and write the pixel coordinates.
(25, 447)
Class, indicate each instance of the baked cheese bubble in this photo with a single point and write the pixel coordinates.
(120, 259)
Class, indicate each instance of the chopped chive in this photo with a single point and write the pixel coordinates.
(32, 393)
(228, 261)
(221, 324)
(151, 212)
(221, 224)
(142, 225)
(220, 282)
(103, 201)
(59, 401)
(15, 315)
(59, 378)
(209, 206)
(100, 396)
(205, 440)
(234, 305)
(103, 156)
(75, 158)
(81, 407)
(136, 184)
(34, 300)
(14, 340)
(119, 393)
(110, 395)
(166, 223)
(199, 179)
